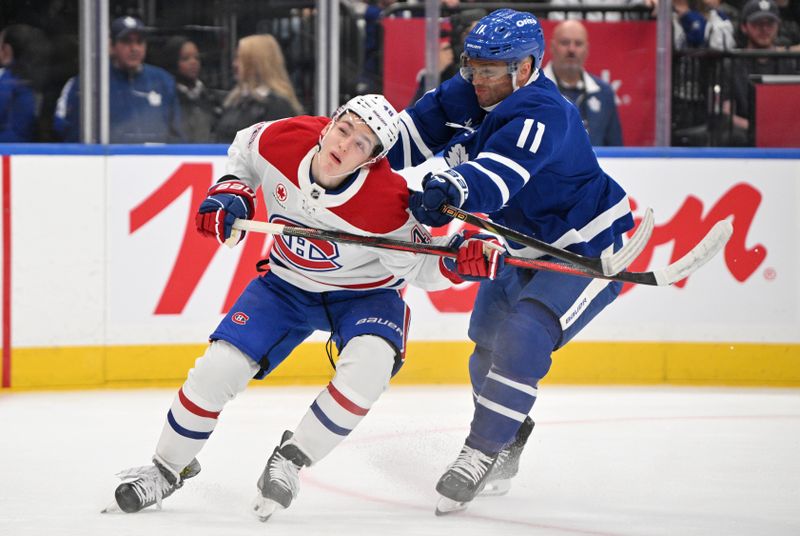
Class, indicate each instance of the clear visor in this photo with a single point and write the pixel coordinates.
(473, 69)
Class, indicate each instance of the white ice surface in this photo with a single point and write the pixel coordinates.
(601, 461)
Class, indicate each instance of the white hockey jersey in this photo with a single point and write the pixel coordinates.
(374, 201)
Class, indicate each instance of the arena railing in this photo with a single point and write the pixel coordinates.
(703, 93)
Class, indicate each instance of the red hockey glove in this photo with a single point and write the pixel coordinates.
(480, 256)
(227, 201)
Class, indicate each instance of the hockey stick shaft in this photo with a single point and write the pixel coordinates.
(398, 245)
(605, 265)
(709, 246)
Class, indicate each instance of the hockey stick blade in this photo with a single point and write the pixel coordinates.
(710, 245)
(607, 266)
(705, 250)
(632, 248)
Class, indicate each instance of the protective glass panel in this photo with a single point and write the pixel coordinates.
(38, 55)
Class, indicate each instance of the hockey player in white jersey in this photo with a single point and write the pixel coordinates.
(313, 172)
(517, 151)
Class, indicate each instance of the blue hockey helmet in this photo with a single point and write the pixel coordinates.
(506, 35)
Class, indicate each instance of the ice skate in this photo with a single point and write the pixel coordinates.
(279, 484)
(507, 465)
(463, 480)
(145, 486)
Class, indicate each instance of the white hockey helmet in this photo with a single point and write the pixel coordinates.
(379, 115)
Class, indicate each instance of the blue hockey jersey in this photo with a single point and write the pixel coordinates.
(528, 163)
(143, 107)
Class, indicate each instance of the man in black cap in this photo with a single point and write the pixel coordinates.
(759, 24)
(142, 98)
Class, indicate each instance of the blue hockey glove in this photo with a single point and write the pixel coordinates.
(446, 187)
(480, 256)
(228, 200)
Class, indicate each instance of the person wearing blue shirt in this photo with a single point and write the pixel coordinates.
(17, 98)
(593, 97)
(142, 98)
(518, 152)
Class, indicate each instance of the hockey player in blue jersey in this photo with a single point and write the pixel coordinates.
(517, 151)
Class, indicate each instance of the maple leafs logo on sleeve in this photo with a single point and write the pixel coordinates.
(457, 154)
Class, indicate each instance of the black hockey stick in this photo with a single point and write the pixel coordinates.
(709, 246)
(387, 243)
(611, 265)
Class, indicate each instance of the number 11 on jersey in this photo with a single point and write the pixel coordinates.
(526, 131)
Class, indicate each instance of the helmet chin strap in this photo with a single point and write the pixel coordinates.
(531, 80)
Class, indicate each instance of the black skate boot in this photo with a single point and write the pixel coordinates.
(507, 465)
(148, 485)
(463, 480)
(280, 481)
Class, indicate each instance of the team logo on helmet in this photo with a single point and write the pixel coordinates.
(305, 253)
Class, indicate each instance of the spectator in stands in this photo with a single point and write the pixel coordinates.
(18, 100)
(262, 92)
(594, 15)
(593, 97)
(759, 23)
(371, 79)
(700, 24)
(789, 31)
(142, 102)
(200, 106)
(451, 45)
(447, 62)
(730, 11)
(462, 22)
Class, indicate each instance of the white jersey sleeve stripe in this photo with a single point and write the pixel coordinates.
(406, 120)
(502, 410)
(504, 160)
(405, 139)
(495, 178)
(527, 389)
(61, 104)
(602, 222)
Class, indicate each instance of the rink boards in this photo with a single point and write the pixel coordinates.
(106, 282)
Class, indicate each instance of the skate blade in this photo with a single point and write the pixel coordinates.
(112, 508)
(447, 506)
(496, 487)
(263, 508)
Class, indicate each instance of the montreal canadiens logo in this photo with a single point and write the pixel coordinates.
(240, 318)
(281, 193)
(305, 253)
